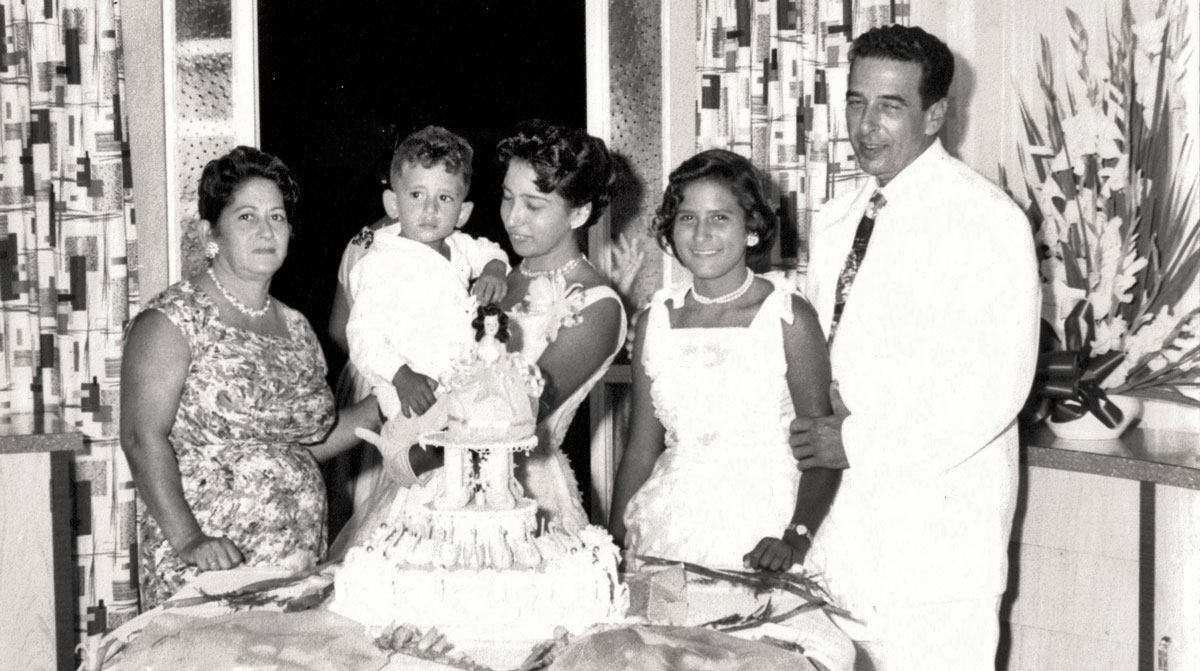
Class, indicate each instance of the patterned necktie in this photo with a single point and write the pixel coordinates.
(858, 251)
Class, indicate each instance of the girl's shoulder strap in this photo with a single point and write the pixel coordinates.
(780, 300)
(673, 294)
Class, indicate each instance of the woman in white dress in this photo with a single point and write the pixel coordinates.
(721, 366)
(355, 472)
(564, 315)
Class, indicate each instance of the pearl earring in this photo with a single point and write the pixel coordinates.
(752, 239)
(210, 250)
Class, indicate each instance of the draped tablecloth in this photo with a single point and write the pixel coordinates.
(255, 629)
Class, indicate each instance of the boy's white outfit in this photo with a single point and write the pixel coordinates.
(933, 355)
(410, 305)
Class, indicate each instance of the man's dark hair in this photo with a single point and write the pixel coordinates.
(910, 44)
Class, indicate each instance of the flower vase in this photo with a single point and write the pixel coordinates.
(1089, 427)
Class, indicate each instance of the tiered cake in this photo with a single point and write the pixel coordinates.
(466, 553)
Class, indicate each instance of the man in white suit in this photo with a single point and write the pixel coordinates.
(933, 324)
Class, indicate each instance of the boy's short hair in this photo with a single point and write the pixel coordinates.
(430, 146)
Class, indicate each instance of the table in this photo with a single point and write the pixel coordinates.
(308, 636)
(36, 593)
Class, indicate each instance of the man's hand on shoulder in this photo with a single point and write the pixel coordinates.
(817, 441)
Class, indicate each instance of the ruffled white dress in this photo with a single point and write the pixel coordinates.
(727, 477)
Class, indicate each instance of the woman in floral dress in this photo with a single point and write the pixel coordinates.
(225, 408)
(563, 313)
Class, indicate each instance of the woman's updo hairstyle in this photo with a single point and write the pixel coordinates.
(566, 160)
(223, 176)
(748, 184)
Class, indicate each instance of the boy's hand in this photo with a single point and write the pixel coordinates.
(489, 289)
(415, 391)
(491, 285)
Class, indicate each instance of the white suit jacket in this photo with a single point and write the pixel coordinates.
(409, 304)
(934, 357)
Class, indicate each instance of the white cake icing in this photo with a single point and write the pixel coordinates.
(465, 553)
(482, 590)
(488, 420)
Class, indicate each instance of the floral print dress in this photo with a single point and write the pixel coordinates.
(250, 404)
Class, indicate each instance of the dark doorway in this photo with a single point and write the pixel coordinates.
(338, 81)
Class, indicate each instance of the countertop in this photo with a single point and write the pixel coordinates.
(1162, 457)
(37, 432)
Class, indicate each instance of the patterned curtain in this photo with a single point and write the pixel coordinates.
(772, 77)
(68, 259)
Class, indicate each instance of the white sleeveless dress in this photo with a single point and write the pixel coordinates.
(727, 477)
(545, 474)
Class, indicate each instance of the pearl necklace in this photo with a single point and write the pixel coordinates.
(560, 271)
(238, 305)
(729, 297)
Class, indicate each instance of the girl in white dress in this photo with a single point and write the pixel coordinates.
(721, 366)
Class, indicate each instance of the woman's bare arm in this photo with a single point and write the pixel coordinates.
(578, 352)
(644, 444)
(154, 366)
(808, 376)
(339, 316)
(341, 437)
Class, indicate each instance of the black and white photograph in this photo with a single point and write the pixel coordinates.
(600, 335)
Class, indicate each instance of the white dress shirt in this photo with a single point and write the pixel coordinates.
(409, 304)
(934, 356)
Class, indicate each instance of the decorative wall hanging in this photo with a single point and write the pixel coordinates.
(772, 82)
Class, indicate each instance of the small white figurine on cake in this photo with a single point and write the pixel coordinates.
(490, 404)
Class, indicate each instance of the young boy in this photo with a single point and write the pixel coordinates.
(411, 312)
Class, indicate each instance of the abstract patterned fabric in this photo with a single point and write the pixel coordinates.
(249, 404)
(68, 264)
(772, 78)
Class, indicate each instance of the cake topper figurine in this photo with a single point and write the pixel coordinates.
(491, 398)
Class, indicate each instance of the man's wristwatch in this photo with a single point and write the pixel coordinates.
(801, 531)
